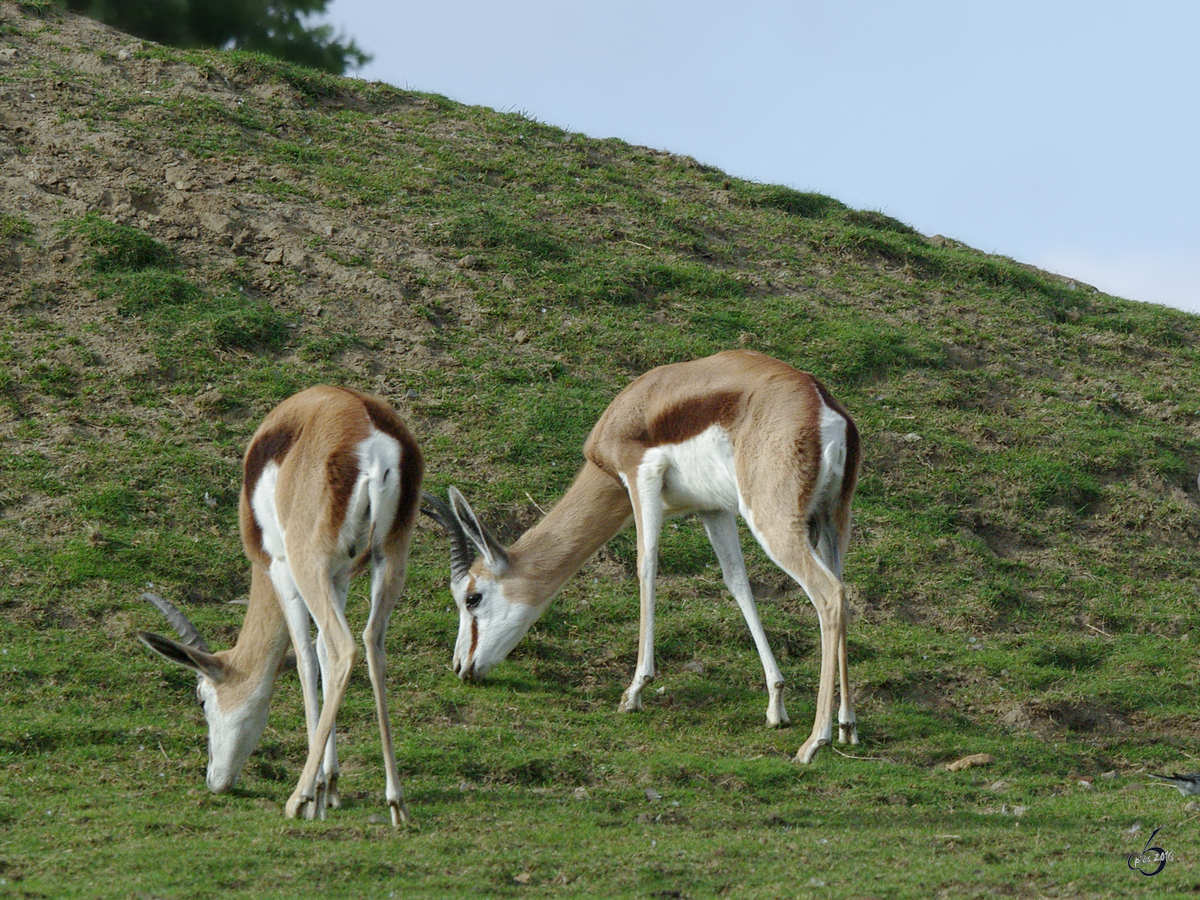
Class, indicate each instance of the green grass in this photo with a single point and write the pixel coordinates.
(1023, 572)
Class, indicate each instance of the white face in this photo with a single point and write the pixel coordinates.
(232, 735)
(489, 624)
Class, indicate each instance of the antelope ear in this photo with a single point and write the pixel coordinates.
(490, 549)
(198, 661)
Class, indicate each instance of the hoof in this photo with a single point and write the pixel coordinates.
(299, 807)
(809, 749)
(400, 814)
(311, 807)
(631, 700)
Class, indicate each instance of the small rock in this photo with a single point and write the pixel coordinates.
(694, 666)
(969, 762)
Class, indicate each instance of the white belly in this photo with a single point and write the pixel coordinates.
(698, 474)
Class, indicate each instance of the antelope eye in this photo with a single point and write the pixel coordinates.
(473, 600)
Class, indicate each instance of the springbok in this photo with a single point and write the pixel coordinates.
(738, 432)
(331, 481)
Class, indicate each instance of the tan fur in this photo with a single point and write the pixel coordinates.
(328, 422)
(316, 476)
(313, 438)
(594, 509)
(261, 645)
(771, 415)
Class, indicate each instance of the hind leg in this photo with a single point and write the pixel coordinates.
(387, 584)
(789, 548)
(320, 592)
(328, 779)
(310, 667)
(827, 596)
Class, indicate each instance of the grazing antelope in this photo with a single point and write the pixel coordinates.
(738, 432)
(331, 482)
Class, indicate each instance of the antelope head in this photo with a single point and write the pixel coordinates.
(235, 705)
(496, 604)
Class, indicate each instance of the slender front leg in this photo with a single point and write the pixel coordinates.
(646, 494)
(721, 527)
(387, 584)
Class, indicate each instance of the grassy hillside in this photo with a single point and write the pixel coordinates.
(188, 238)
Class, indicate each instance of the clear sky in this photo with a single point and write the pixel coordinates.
(1062, 133)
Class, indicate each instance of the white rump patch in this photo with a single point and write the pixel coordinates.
(833, 456)
(375, 494)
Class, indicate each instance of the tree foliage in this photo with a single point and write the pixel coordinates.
(274, 27)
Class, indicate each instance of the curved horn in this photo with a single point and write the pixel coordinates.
(184, 628)
(461, 554)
